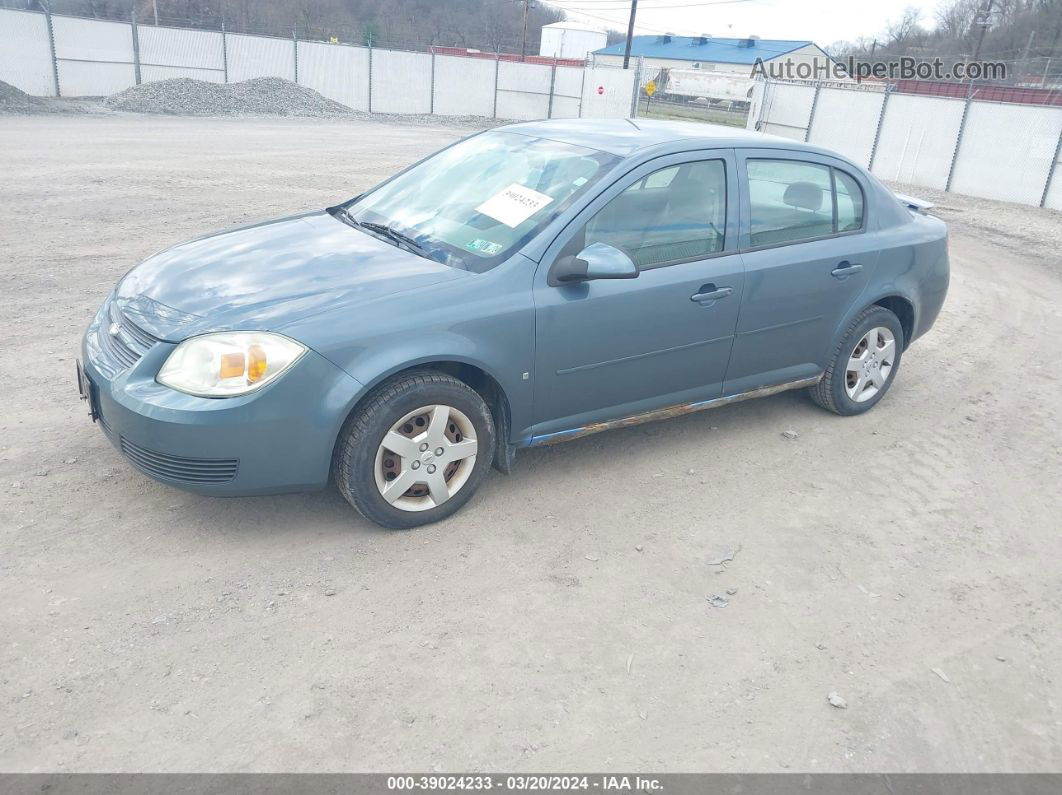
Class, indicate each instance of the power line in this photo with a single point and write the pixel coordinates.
(619, 22)
(585, 11)
(625, 6)
(648, 3)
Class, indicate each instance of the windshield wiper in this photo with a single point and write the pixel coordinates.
(398, 238)
(392, 234)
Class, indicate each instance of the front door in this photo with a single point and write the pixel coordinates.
(608, 349)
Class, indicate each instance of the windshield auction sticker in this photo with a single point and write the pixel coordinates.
(514, 205)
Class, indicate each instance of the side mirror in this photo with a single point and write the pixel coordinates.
(596, 261)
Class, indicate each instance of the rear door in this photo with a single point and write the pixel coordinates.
(608, 349)
(807, 255)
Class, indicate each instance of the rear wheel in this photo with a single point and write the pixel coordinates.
(416, 451)
(864, 365)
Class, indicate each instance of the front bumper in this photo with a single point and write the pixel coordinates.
(277, 439)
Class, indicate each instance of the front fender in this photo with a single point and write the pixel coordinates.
(379, 363)
(486, 321)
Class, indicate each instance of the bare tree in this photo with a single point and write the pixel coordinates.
(906, 33)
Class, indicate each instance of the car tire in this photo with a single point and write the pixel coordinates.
(365, 467)
(858, 377)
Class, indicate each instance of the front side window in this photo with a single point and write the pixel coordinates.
(673, 214)
(791, 200)
(472, 205)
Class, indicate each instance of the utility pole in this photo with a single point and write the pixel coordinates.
(523, 41)
(1028, 47)
(982, 19)
(630, 35)
(870, 59)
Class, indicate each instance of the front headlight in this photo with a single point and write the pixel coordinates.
(228, 363)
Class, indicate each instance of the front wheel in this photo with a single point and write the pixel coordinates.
(864, 365)
(416, 451)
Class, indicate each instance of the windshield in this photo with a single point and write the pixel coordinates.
(473, 204)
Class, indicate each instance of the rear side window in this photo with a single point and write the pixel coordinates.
(792, 200)
(674, 214)
(849, 202)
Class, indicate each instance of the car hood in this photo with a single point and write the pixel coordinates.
(265, 276)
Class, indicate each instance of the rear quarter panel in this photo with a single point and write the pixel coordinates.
(913, 265)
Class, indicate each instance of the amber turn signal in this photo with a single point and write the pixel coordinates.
(256, 364)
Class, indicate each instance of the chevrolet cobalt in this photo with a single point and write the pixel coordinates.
(525, 286)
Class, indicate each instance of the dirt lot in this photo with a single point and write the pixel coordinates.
(907, 559)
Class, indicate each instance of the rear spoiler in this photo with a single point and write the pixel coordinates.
(918, 205)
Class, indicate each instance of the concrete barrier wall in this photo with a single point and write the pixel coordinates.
(1006, 150)
(401, 82)
(339, 73)
(25, 54)
(464, 86)
(608, 92)
(523, 90)
(93, 58)
(259, 56)
(97, 58)
(845, 121)
(567, 93)
(917, 141)
(785, 110)
(172, 52)
(995, 150)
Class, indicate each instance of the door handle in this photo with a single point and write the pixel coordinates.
(711, 294)
(845, 268)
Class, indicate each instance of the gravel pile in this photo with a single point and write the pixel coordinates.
(14, 101)
(183, 96)
(262, 96)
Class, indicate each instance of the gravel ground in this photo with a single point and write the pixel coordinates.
(1029, 231)
(903, 563)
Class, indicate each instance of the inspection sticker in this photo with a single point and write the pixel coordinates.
(514, 205)
(484, 246)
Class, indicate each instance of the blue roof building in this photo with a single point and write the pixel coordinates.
(708, 52)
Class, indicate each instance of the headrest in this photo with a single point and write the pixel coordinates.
(805, 195)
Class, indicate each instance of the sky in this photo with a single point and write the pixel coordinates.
(820, 21)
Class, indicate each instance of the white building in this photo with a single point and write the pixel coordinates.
(571, 40)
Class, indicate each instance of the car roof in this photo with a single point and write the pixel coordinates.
(626, 136)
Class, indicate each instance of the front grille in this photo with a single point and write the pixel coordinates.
(122, 341)
(178, 469)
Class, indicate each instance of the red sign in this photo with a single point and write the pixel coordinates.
(600, 89)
